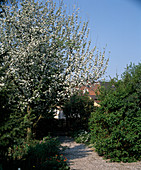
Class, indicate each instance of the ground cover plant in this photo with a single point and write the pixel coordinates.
(82, 136)
(116, 124)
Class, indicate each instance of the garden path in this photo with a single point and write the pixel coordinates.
(81, 157)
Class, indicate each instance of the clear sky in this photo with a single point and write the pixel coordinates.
(116, 23)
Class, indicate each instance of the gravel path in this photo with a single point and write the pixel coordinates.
(80, 157)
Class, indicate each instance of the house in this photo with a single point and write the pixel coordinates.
(92, 90)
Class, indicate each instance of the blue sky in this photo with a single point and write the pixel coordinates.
(116, 23)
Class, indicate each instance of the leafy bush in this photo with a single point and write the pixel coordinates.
(19, 151)
(12, 125)
(37, 155)
(115, 126)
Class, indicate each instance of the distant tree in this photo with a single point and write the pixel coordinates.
(78, 109)
(46, 54)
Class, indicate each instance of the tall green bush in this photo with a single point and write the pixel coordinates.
(116, 125)
(12, 121)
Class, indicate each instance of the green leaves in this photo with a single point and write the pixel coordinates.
(78, 108)
(115, 126)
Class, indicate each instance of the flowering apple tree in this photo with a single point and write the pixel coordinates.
(47, 54)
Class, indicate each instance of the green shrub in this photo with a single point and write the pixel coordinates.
(46, 155)
(43, 149)
(115, 126)
(37, 155)
(12, 127)
(19, 151)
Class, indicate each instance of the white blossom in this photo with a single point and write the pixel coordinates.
(48, 52)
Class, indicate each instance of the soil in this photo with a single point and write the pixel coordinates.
(81, 157)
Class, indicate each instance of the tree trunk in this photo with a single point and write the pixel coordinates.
(29, 131)
(29, 134)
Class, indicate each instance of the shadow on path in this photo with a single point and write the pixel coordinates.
(81, 157)
(74, 150)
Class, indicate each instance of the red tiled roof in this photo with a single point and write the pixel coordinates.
(91, 90)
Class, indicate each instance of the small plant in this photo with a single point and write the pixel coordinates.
(57, 162)
(82, 137)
